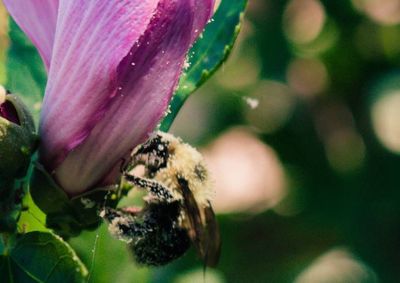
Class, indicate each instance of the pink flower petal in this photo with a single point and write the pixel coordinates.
(37, 18)
(107, 97)
(203, 10)
(91, 39)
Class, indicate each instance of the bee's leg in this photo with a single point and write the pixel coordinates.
(153, 187)
(124, 226)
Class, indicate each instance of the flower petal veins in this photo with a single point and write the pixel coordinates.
(114, 67)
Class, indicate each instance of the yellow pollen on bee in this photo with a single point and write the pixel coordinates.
(3, 94)
(185, 163)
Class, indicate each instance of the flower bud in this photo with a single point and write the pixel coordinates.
(17, 143)
(17, 137)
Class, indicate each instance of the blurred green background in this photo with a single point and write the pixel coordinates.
(301, 129)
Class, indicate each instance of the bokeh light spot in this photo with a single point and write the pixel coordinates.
(386, 12)
(304, 20)
(240, 72)
(344, 146)
(275, 106)
(386, 120)
(345, 151)
(248, 174)
(337, 265)
(307, 77)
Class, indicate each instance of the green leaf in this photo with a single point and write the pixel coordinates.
(41, 257)
(31, 218)
(208, 53)
(26, 75)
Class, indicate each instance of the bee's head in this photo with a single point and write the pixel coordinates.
(154, 153)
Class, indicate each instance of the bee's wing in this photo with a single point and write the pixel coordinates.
(194, 217)
(205, 237)
(213, 238)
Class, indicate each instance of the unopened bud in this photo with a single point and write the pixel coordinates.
(18, 139)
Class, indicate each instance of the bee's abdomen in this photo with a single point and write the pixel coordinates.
(167, 240)
(161, 247)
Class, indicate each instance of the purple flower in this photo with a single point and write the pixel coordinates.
(112, 68)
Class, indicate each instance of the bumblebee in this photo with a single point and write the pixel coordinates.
(177, 210)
